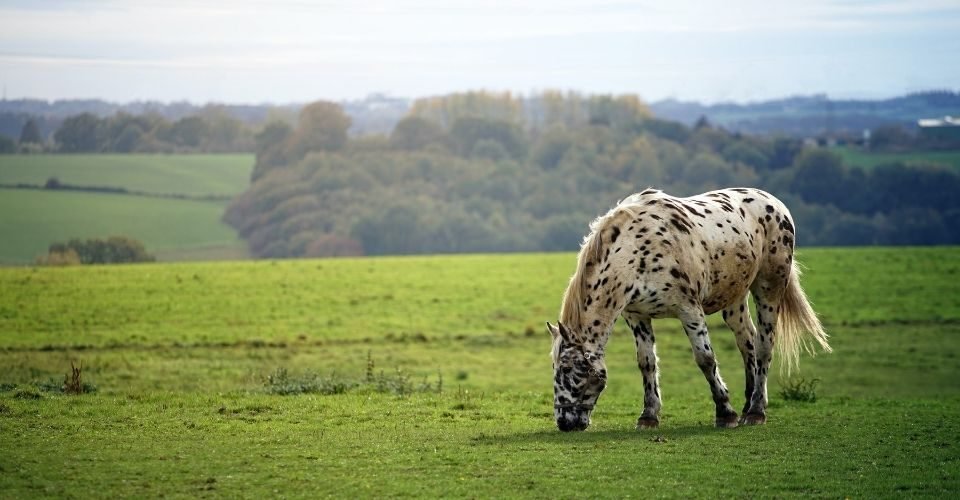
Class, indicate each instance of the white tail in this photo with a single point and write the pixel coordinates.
(795, 319)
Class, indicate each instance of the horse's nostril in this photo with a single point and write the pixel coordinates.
(567, 426)
(572, 424)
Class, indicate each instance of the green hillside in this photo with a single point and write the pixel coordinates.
(189, 174)
(856, 157)
(33, 219)
(172, 229)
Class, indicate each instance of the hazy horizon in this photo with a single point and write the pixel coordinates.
(291, 51)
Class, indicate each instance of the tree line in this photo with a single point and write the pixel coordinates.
(483, 172)
(213, 130)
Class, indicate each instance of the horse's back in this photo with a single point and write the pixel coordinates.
(761, 224)
(709, 250)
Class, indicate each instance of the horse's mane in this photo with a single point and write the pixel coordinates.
(590, 252)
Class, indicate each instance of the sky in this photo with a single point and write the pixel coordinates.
(257, 51)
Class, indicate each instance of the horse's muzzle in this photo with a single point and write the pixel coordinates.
(572, 425)
(573, 418)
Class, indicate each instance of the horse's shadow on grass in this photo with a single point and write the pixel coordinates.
(552, 435)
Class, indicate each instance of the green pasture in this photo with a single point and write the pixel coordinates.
(171, 228)
(185, 174)
(30, 220)
(457, 400)
(856, 157)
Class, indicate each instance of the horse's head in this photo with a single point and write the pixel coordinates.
(579, 376)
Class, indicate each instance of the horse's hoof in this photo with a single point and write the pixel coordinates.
(753, 419)
(727, 421)
(647, 423)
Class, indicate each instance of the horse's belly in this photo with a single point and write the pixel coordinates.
(728, 281)
(725, 296)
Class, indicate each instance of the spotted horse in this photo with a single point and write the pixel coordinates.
(655, 256)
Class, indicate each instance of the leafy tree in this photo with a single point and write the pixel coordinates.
(563, 232)
(467, 132)
(30, 134)
(394, 230)
(224, 132)
(784, 152)
(550, 149)
(189, 131)
(819, 177)
(331, 245)
(746, 153)
(490, 150)
(915, 226)
(618, 112)
(322, 126)
(664, 129)
(414, 132)
(129, 140)
(445, 111)
(7, 145)
(272, 146)
(78, 134)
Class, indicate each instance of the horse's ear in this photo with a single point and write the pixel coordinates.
(562, 330)
(554, 331)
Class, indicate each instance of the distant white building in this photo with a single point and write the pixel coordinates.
(940, 129)
(946, 121)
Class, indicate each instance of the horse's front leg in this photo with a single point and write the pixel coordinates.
(695, 325)
(647, 362)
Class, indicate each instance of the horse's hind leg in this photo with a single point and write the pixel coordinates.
(695, 324)
(768, 300)
(737, 317)
(647, 362)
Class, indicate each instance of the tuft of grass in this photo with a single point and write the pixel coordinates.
(800, 389)
(72, 382)
(27, 393)
(466, 400)
(283, 383)
(399, 383)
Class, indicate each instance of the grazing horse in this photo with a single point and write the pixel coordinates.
(656, 255)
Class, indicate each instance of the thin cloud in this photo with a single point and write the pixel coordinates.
(654, 48)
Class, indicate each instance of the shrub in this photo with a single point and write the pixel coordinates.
(113, 250)
(67, 257)
(800, 390)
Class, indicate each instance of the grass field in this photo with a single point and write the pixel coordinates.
(166, 226)
(183, 354)
(856, 157)
(190, 174)
(172, 229)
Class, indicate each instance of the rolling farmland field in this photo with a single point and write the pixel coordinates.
(166, 208)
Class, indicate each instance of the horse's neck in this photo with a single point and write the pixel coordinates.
(596, 326)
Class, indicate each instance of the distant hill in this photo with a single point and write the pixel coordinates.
(374, 114)
(814, 115)
(804, 116)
